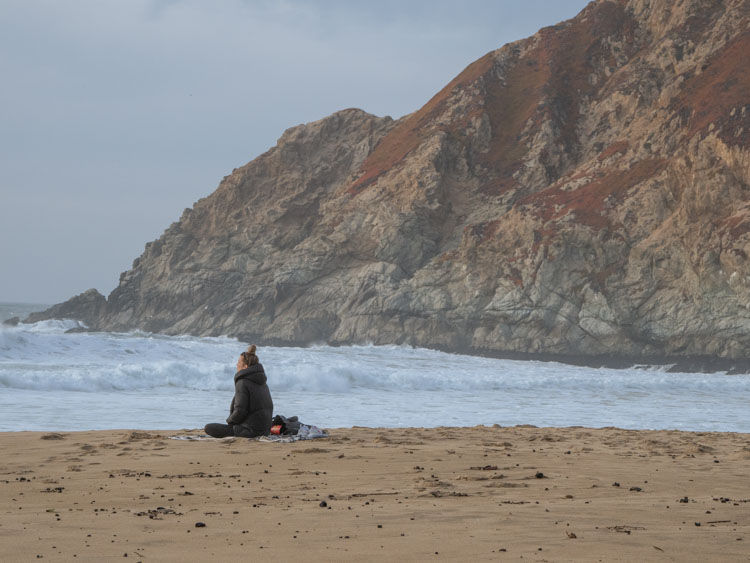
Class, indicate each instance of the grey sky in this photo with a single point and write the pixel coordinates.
(116, 115)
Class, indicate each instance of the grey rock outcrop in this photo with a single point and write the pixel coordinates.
(582, 192)
(87, 307)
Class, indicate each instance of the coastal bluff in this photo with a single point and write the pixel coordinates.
(582, 193)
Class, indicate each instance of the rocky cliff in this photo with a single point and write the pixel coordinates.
(582, 192)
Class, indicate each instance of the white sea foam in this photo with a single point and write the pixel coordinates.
(159, 381)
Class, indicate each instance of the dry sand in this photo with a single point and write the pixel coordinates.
(450, 494)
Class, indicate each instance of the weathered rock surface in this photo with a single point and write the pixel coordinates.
(582, 192)
(87, 307)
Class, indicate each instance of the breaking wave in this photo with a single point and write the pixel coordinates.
(45, 356)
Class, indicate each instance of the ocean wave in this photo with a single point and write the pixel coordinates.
(44, 356)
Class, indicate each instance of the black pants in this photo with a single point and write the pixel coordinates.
(218, 430)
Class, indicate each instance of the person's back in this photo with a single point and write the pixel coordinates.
(255, 414)
(251, 411)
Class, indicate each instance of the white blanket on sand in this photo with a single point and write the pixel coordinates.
(306, 432)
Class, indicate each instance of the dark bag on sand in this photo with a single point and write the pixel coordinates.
(289, 426)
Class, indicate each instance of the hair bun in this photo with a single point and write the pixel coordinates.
(251, 349)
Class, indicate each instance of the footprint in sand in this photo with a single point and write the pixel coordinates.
(137, 435)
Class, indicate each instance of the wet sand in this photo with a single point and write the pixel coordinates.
(442, 494)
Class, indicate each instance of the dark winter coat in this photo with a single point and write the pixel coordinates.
(252, 406)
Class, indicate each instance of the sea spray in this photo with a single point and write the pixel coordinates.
(156, 381)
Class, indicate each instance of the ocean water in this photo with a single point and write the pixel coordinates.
(53, 380)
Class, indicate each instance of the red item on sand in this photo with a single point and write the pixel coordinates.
(276, 429)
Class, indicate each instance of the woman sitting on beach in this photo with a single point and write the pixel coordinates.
(252, 407)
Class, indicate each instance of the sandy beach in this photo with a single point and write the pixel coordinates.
(363, 494)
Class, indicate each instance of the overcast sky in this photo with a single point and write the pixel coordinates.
(116, 115)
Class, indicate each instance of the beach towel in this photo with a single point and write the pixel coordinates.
(305, 432)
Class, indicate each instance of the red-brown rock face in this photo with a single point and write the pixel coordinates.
(585, 191)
